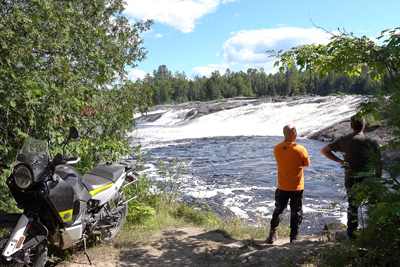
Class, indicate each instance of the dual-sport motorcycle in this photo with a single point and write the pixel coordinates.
(61, 207)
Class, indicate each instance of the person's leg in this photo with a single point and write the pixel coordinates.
(352, 210)
(281, 201)
(352, 218)
(296, 214)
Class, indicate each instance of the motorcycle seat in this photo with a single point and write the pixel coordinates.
(102, 176)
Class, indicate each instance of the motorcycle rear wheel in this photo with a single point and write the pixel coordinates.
(37, 254)
(117, 206)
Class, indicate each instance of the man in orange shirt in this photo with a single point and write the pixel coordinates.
(290, 158)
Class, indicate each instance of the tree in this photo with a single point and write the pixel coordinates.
(63, 63)
(181, 90)
(213, 87)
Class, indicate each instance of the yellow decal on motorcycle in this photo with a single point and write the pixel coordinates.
(98, 190)
(66, 215)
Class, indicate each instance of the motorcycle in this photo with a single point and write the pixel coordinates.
(61, 207)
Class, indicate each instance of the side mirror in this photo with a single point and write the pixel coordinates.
(73, 133)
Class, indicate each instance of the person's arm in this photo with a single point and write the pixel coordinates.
(327, 152)
(306, 159)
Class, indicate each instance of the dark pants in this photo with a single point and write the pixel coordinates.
(352, 218)
(296, 209)
(352, 210)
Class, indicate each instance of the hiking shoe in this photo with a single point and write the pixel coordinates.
(273, 236)
(294, 239)
(294, 236)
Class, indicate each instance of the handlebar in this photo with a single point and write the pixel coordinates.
(73, 160)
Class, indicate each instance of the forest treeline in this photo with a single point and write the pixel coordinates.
(170, 88)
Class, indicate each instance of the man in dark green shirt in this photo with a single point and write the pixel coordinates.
(360, 154)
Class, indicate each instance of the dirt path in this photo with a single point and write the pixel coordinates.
(190, 246)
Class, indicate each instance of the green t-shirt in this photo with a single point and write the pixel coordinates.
(359, 151)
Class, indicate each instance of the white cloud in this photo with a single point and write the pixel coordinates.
(202, 71)
(248, 48)
(135, 74)
(159, 35)
(180, 14)
(207, 70)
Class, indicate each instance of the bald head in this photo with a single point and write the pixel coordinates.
(290, 133)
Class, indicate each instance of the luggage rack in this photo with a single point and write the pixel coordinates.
(131, 179)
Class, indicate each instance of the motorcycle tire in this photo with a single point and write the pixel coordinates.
(116, 204)
(37, 254)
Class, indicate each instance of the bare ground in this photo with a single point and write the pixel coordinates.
(192, 246)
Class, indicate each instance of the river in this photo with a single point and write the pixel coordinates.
(228, 155)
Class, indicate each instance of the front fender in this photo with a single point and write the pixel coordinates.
(17, 238)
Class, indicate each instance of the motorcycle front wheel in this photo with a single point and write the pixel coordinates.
(37, 255)
(117, 207)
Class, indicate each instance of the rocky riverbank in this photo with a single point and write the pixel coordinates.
(381, 134)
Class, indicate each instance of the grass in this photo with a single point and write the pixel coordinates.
(174, 214)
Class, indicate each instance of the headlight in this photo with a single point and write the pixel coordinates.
(23, 177)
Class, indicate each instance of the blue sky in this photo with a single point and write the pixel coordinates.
(200, 36)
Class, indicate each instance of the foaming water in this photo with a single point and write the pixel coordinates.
(251, 119)
(229, 158)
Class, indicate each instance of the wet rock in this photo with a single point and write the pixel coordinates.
(151, 117)
(381, 134)
(192, 113)
(341, 236)
(334, 226)
(335, 232)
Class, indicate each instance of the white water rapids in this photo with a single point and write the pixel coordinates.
(229, 159)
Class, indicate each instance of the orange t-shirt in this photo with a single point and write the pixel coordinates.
(291, 158)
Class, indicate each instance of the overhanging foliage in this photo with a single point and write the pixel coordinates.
(63, 63)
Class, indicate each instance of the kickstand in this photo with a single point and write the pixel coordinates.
(84, 248)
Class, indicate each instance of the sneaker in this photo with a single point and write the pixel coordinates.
(273, 236)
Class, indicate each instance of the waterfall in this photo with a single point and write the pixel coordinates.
(250, 118)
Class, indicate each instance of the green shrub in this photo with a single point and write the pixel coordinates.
(202, 216)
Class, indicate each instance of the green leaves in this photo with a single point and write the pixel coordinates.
(59, 68)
